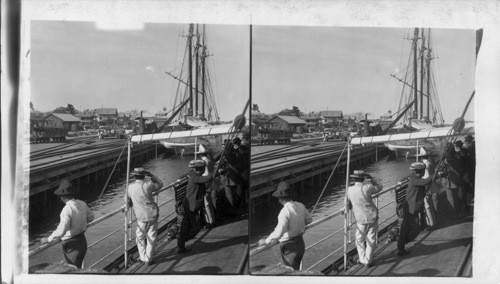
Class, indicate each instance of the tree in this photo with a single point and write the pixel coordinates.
(60, 110)
(255, 107)
(295, 111)
(71, 109)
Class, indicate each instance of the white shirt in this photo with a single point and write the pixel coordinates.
(292, 220)
(429, 168)
(74, 218)
(360, 197)
(141, 194)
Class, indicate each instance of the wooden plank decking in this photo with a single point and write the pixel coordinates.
(445, 251)
(219, 250)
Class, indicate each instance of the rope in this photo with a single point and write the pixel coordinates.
(109, 178)
(458, 123)
(329, 178)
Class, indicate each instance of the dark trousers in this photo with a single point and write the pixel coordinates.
(409, 228)
(292, 251)
(189, 227)
(454, 196)
(74, 250)
(231, 194)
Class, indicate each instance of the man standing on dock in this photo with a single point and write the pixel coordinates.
(232, 174)
(192, 203)
(413, 205)
(292, 220)
(359, 198)
(146, 211)
(71, 230)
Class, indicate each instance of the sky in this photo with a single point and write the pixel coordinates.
(313, 68)
(91, 65)
(348, 68)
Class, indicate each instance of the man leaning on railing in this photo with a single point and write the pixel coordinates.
(359, 198)
(292, 220)
(71, 229)
(140, 194)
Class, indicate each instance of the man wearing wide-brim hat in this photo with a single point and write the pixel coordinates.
(140, 193)
(359, 198)
(292, 220)
(415, 193)
(71, 230)
(193, 202)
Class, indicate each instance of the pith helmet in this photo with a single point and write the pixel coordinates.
(197, 164)
(358, 174)
(138, 172)
(417, 166)
(65, 188)
(283, 190)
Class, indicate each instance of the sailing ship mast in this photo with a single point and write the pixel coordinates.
(415, 90)
(428, 61)
(190, 69)
(423, 67)
(203, 56)
(422, 50)
(196, 48)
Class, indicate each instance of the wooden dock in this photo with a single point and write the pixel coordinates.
(304, 165)
(50, 162)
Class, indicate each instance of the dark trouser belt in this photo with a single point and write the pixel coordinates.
(75, 237)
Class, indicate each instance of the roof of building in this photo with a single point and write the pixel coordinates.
(66, 117)
(311, 116)
(86, 114)
(101, 111)
(290, 119)
(330, 113)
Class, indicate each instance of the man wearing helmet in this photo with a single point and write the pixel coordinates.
(193, 201)
(414, 204)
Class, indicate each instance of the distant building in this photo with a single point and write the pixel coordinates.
(124, 119)
(106, 116)
(313, 121)
(63, 120)
(287, 122)
(89, 120)
(331, 118)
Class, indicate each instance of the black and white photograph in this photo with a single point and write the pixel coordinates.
(159, 109)
(391, 111)
(250, 141)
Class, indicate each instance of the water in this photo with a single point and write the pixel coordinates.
(166, 167)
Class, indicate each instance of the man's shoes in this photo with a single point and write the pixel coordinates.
(368, 265)
(403, 252)
(149, 263)
(183, 250)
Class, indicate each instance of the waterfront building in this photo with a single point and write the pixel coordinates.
(287, 123)
(331, 118)
(63, 120)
